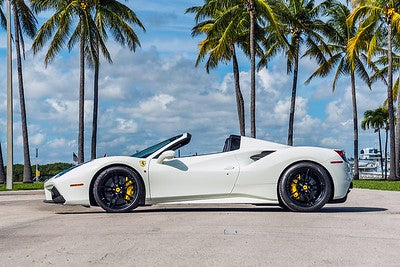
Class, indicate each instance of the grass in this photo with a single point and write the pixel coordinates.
(22, 186)
(377, 185)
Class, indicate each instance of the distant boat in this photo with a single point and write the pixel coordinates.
(370, 163)
(371, 154)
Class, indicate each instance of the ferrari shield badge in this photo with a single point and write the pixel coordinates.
(142, 163)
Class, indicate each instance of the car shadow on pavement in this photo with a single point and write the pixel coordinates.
(230, 209)
(350, 209)
(258, 209)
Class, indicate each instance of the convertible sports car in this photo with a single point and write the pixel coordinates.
(246, 171)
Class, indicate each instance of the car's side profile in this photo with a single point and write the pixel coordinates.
(246, 171)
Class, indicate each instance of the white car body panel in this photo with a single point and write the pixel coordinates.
(188, 176)
(228, 177)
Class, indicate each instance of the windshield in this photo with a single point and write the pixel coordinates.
(150, 150)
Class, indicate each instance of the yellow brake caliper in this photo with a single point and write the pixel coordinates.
(129, 189)
(293, 187)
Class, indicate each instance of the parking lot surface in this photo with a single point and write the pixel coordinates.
(364, 231)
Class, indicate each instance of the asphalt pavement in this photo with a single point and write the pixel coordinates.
(364, 231)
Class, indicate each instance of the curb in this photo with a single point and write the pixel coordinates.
(21, 192)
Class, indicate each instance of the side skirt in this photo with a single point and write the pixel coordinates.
(212, 199)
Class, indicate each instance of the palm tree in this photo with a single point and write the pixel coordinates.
(2, 173)
(24, 22)
(3, 19)
(67, 14)
(219, 43)
(377, 119)
(116, 18)
(251, 10)
(300, 24)
(228, 24)
(381, 71)
(338, 60)
(3, 24)
(381, 74)
(266, 12)
(379, 17)
(386, 123)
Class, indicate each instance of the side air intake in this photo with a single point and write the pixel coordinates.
(261, 155)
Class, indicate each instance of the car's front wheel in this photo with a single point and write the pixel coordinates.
(118, 189)
(305, 187)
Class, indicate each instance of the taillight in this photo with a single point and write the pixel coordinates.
(341, 154)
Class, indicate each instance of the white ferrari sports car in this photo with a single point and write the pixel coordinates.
(248, 171)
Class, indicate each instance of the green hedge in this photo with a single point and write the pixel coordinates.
(46, 170)
(377, 184)
(22, 186)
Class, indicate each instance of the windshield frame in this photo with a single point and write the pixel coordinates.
(154, 148)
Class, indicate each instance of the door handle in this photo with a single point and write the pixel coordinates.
(229, 168)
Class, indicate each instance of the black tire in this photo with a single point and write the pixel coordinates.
(281, 203)
(305, 187)
(283, 206)
(118, 189)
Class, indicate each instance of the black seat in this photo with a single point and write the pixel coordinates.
(232, 143)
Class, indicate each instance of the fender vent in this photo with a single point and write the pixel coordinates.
(261, 155)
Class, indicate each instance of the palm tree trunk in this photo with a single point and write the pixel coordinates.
(393, 155)
(2, 173)
(81, 102)
(380, 150)
(386, 145)
(397, 139)
(294, 90)
(355, 125)
(25, 142)
(95, 101)
(252, 70)
(239, 96)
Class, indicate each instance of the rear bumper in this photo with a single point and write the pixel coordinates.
(342, 200)
(342, 177)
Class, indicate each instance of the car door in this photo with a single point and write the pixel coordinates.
(192, 177)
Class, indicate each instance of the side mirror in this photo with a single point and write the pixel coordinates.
(169, 154)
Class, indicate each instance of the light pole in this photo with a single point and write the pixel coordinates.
(9, 102)
(37, 173)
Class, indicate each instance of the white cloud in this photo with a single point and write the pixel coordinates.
(34, 139)
(125, 126)
(338, 124)
(271, 82)
(57, 143)
(3, 103)
(62, 110)
(330, 142)
(156, 104)
(112, 92)
(37, 139)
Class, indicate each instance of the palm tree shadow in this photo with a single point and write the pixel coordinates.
(234, 209)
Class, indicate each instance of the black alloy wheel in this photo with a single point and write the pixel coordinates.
(305, 187)
(118, 189)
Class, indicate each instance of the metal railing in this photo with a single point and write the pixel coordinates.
(371, 175)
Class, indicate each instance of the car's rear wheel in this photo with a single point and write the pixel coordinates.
(305, 187)
(118, 189)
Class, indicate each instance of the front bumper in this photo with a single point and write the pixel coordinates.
(53, 196)
(59, 190)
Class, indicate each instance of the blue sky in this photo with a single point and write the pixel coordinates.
(157, 92)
